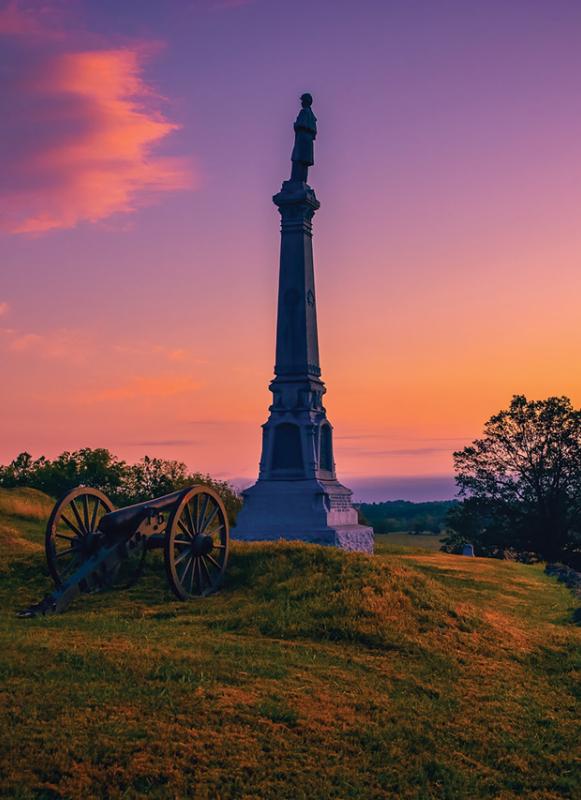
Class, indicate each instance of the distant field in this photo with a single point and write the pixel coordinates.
(406, 542)
(313, 675)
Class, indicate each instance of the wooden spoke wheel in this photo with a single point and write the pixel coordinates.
(196, 543)
(71, 532)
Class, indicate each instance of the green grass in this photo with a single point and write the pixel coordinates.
(313, 674)
(406, 543)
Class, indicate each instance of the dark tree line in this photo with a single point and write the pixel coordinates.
(521, 483)
(123, 483)
(394, 516)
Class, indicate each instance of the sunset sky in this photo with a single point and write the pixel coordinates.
(141, 143)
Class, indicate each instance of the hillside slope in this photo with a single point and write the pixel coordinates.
(314, 674)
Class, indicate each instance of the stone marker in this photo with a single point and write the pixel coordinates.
(297, 495)
(468, 550)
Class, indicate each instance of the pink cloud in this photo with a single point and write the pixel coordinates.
(17, 20)
(75, 346)
(172, 354)
(4, 307)
(63, 344)
(158, 351)
(82, 130)
(140, 387)
(232, 3)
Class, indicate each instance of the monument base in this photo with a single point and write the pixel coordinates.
(314, 510)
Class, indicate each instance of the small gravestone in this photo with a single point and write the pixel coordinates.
(468, 550)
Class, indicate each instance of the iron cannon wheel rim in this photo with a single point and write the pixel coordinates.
(200, 513)
(73, 519)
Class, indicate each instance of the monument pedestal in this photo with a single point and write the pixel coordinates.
(316, 511)
(297, 495)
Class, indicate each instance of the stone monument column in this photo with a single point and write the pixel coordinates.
(297, 495)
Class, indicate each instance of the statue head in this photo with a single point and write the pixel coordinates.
(306, 100)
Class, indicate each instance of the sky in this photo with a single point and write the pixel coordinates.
(141, 144)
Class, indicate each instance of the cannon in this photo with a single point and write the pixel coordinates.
(90, 545)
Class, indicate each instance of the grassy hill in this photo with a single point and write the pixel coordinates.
(314, 674)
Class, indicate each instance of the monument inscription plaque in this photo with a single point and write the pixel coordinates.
(297, 495)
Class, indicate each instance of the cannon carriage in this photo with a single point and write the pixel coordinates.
(90, 545)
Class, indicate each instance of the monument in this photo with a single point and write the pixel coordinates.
(297, 495)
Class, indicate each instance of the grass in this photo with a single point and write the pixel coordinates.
(406, 543)
(28, 504)
(313, 674)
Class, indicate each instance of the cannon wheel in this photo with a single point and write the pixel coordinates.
(196, 543)
(70, 529)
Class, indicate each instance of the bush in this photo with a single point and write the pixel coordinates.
(123, 483)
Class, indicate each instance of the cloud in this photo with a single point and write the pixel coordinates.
(418, 488)
(80, 130)
(411, 451)
(172, 354)
(140, 387)
(163, 442)
(4, 307)
(61, 344)
(380, 436)
(220, 422)
(16, 20)
(357, 436)
(75, 345)
(219, 4)
(178, 354)
(159, 351)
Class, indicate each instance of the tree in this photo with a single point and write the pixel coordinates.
(98, 468)
(122, 483)
(153, 477)
(402, 515)
(522, 480)
(18, 472)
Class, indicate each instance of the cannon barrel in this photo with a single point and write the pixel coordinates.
(124, 521)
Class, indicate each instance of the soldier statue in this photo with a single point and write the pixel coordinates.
(305, 134)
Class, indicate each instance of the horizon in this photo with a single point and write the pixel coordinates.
(378, 488)
(140, 242)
